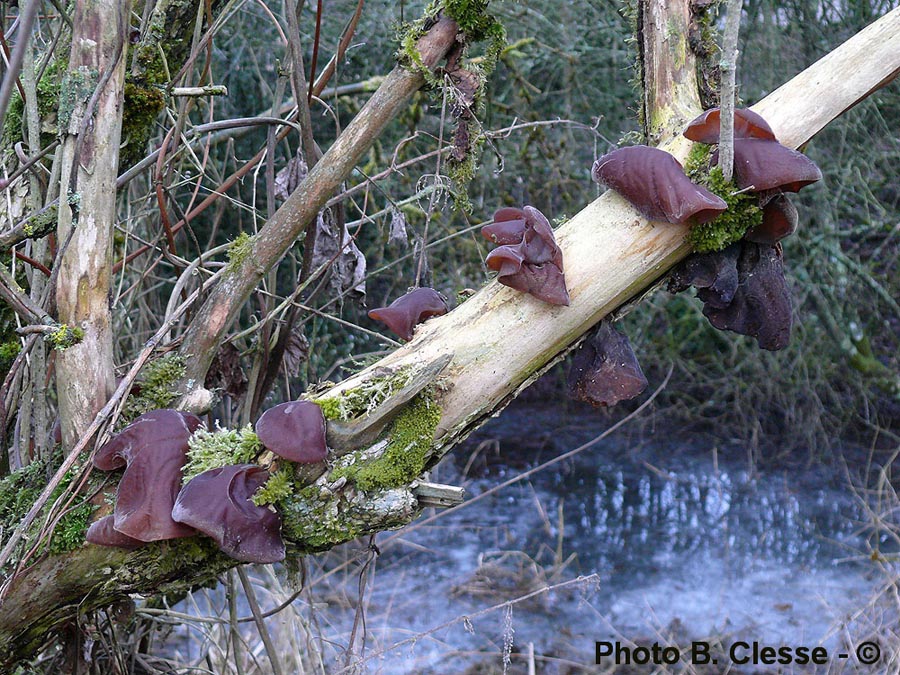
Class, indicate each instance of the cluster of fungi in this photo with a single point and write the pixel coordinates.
(153, 504)
(742, 288)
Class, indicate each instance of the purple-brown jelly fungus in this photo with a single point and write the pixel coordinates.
(747, 124)
(760, 161)
(768, 165)
(744, 290)
(605, 370)
(103, 533)
(219, 503)
(779, 220)
(531, 262)
(508, 226)
(295, 431)
(408, 311)
(655, 184)
(153, 450)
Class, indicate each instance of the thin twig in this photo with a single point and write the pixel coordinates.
(728, 66)
(271, 652)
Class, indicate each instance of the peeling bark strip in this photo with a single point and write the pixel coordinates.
(268, 247)
(91, 113)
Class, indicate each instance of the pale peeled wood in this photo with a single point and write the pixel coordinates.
(499, 338)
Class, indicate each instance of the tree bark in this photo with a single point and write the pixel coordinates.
(87, 211)
(488, 349)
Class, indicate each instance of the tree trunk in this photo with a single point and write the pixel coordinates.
(479, 356)
(87, 212)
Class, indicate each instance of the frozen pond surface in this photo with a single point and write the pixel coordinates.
(674, 545)
(683, 544)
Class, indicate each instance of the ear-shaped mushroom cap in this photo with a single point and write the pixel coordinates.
(295, 431)
(714, 275)
(605, 369)
(102, 533)
(656, 185)
(761, 307)
(218, 503)
(780, 219)
(154, 449)
(747, 124)
(508, 226)
(768, 165)
(407, 311)
(534, 265)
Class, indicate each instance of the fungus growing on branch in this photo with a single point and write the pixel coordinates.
(655, 184)
(532, 262)
(219, 503)
(747, 124)
(779, 220)
(103, 533)
(153, 450)
(761, 306)
(605, 370)
(295, 431)
(408, 311)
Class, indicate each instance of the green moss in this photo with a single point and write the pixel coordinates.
(362, 400)
(157, 383)
(8, 353)
(42, 223)
(20, 489)
(47, 91)
(143, 104)
(222, 447)
(277, 488)
(410, 439)
(65, 336)
(189, 562)
(741, 215)
(240, 249)
(475, 25)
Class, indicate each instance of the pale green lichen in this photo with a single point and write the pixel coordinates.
(222, 447)
(742, 213)
(42, 223)
(157, 383)
(317, 519)
(359, 401)
(77, 86)
(410, 440)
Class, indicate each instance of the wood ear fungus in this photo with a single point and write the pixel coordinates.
(605, 370)
(655, 184)
(218, 503)
(408, 311)
(153, 449)
(531, 263)
(295, 431)
(747, 124)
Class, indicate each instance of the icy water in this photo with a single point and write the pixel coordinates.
(640, 542)
(675, 546)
